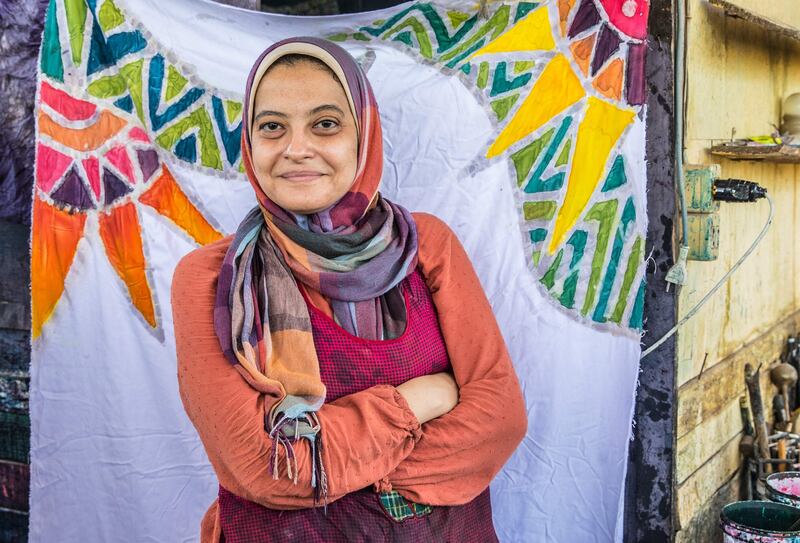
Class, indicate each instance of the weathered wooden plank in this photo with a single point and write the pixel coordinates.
(14, 483)
(706, 395)
(699, 445)
(771, 25)
(706, 481)
(704, 526)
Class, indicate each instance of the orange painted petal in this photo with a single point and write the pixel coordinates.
(55, 238)
(582, 52)
(609, 81)
(122, 237)
(82, 139)
(166, 197)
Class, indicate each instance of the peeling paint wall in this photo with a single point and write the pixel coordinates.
(737, 75)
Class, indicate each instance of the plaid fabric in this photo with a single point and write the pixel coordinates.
(349, 364)
(399, 508)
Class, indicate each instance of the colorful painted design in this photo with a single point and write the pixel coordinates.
(94, 156)
(564, 80)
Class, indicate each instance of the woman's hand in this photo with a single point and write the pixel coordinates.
(430, 396)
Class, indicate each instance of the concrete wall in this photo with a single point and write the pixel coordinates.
(737, 74)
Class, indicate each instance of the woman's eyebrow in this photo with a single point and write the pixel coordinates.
(326, 107)
(265, 113)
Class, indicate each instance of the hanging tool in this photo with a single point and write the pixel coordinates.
(784, 376)
(751, 378)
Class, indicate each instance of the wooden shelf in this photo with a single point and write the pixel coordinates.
(765, 153)
(743, 13)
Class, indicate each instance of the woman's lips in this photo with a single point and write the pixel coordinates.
(301, 176)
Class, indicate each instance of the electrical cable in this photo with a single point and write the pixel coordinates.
(716, 287)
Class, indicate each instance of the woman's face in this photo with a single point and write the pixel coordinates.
(304, 138)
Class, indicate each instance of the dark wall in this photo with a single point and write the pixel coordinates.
(649, 488)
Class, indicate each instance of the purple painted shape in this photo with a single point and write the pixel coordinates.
(607, 44)
(148, 162)
(73, 192)
(586, 17)
(635, 92)
(114, 187)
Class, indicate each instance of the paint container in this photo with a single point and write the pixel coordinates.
(784, 488)
(759, 522)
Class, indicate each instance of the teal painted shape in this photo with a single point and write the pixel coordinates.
(51, 63)
(537, 235)
(454, 62)
(155, 82)
(536, 183)
(444, 39)
(125, 103)
(404, 37)
(523, 8)
(105, 52)
(500, 83)
(231, 139)
(616, 176)
(466, 68)
(186, 149)
(628, 216)
(578, 243)
(638, 308)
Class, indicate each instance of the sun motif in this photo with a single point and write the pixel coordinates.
(89, 160)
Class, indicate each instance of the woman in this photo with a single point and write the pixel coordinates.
(337, 355)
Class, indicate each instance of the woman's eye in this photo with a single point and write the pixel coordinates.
(270, 126)
(327, 124)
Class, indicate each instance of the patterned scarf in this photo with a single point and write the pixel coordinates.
(355, 253)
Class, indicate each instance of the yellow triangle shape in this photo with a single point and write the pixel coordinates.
(556, 89)
(532, 33)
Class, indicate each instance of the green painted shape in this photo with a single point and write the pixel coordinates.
(538, 210)
(536, 183)
(419, 32)
(578, 242)
(525, 158)
(233, 110)
(457, 17)
(132, 73)
(108, 87)
(378, 22)
(492, 29)
(199, 118)
(634, 260)
(536, 257)
(616, 176)
(360, 36)
(175, 83)
(563, 158)
(444, 39)
(502, 106)
(50, 62)
(625, 221)
(110, 16)
(76, 26)
(523, 66)
(549, 278)
(16, 430)
(637, 314)
(483, 75)
(523, 8)
(341, 36)
(604, 213)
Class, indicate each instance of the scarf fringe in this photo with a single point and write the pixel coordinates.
(319, 477)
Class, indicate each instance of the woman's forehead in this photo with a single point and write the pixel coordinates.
(299, 88)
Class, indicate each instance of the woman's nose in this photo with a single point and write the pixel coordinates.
(299, 146)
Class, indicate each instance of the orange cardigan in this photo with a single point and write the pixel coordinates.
(371, 437)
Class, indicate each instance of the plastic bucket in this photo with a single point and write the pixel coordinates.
(784, 488)
(759, 522)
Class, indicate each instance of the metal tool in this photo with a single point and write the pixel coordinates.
(751, 377)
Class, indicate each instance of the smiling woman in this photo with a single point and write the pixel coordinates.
(325, 339)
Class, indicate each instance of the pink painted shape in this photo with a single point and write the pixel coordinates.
(118, 156)
(628, 16)
(137, 133)
(50, 166)
(92, 168)
(69, 107)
